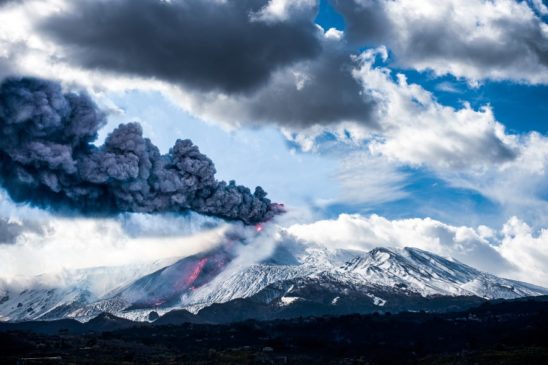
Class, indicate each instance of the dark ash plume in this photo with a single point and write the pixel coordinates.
(47, 158)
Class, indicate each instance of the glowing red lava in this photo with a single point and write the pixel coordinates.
(196, 272)
(259, 227)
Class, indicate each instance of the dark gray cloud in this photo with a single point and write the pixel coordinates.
(9, 62)
(509, 47)
(282, 71)
(320, 91)
(6, 68)
(366, 23)
(209, 46)
(47, 157)
(10, 231)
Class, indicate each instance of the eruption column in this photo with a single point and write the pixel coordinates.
(47, 158)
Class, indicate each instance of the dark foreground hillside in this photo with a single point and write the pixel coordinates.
(512, 332)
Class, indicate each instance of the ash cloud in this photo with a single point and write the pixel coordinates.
(47, 158)
(208, 46)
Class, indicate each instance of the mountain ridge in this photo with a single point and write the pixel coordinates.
(293, 279)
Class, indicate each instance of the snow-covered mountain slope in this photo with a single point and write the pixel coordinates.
(429, 274)
(57, 295)
(381, 276)
(410, 270)
(162, 289)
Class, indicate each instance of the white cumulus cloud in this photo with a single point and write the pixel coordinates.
(514, 251)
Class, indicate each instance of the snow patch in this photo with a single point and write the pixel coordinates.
(288, 300)
(376, 300)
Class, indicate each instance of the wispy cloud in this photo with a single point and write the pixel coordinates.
(369, 180)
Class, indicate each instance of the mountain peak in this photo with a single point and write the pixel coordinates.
(383, 253)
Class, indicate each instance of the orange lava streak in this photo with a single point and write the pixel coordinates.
(196, 272)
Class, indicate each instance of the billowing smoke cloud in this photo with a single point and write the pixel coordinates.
(47, 158)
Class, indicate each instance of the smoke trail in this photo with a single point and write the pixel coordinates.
(47, 158)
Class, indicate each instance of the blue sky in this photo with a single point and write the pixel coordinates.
(521, 107)
(400, 109)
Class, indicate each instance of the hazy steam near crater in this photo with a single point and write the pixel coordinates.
(238, 247)
(48, 159)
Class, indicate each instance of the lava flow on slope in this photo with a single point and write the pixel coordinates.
(166, 287)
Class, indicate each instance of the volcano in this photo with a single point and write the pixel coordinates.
(296, 280)
(166, 287)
